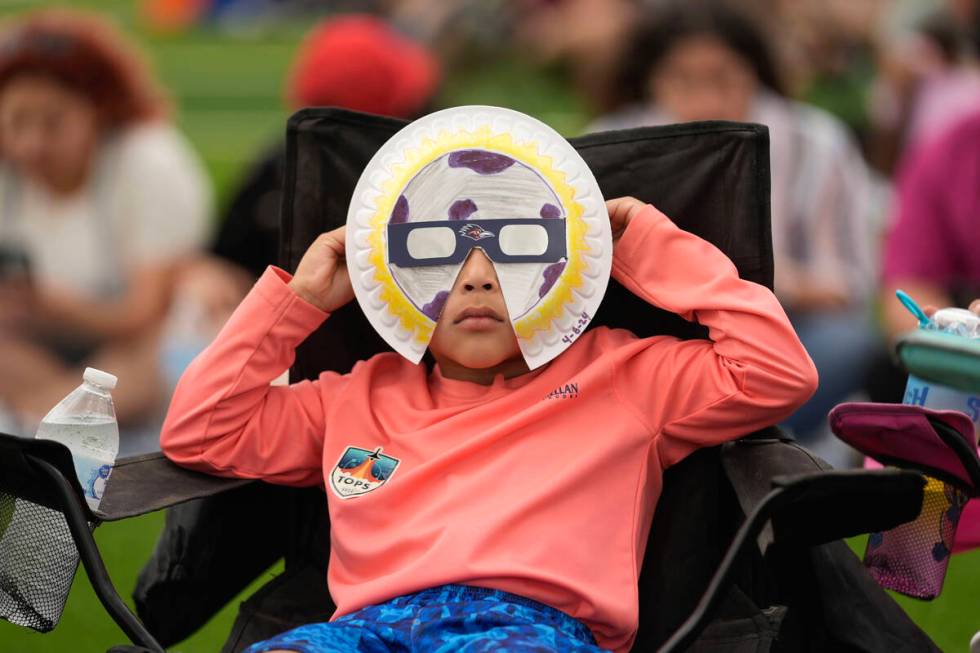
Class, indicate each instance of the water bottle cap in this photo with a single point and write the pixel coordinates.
(958, 321)
(100, 378)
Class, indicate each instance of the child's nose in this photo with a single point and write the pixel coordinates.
(478, 273)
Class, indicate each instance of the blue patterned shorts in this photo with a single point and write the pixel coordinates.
(447, 619)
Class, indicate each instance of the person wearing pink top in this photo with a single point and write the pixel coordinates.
(483, 506)
(930, 252)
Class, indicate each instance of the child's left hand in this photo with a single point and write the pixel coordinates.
(621, 211)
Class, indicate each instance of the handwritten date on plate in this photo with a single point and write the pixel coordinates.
(577, 328)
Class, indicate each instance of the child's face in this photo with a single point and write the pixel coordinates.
(474, 329)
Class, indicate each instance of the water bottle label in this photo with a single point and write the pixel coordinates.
(916, 394)
(939, 397)
(95, 487)
(92, 475)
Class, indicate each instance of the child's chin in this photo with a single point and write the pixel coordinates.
(481, 362)
(478, 359)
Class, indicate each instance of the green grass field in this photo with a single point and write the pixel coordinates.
(227, 90)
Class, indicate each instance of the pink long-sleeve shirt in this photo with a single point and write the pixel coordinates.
(543, 485)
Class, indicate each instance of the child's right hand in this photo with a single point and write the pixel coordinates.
(321, 277)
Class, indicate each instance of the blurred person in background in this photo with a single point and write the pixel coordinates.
(931, 249)
(929, 75)
(935, 214)
(707, 60)
(356, 62)
(585, 36)
(451, 29)
(830, 49)
(100, 199)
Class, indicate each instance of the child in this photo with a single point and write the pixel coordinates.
(508, 509)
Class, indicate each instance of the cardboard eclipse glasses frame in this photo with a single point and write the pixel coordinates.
(448, 242)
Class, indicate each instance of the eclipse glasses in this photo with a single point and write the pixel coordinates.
(447, 242)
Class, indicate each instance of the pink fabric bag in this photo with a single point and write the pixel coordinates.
(912, 558)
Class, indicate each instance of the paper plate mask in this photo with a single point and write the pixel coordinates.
(488, 178)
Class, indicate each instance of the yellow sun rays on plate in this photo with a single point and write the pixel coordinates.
(551, 307)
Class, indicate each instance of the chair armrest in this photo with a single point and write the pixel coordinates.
(768, 458)
(138, 484)
(151, 482)
(752, 463)
(792, 504)
(21, 476)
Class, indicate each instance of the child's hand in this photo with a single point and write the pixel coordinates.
(321, 277)
(621, 211)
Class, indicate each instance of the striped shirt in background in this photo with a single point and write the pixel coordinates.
(826, 205)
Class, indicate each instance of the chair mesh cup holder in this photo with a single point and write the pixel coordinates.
(912, 558)
(46, 531)
(38, 561)
(39, 552)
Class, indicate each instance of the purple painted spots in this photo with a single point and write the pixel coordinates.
(550, 212)
(480, 161)
(400, 212)
(462, 209)
(434, 308)
(551, 274)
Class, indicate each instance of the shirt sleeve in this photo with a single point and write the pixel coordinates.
(226, 419)
(164, 195)
(752, 372)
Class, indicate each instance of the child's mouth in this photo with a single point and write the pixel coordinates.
(478, 318)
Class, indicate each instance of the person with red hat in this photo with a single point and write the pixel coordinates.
(355, 62)
(359, 62)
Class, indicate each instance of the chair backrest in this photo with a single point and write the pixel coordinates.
(711, 178)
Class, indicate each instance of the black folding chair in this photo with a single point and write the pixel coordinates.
(771, 591)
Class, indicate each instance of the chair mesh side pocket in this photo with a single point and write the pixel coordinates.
(38, 560)
(912, 558)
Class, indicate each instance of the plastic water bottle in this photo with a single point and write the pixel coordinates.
(85, 422)
(955, 322)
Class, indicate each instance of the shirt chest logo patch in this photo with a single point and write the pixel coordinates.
(360, 471)
(566, 391)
